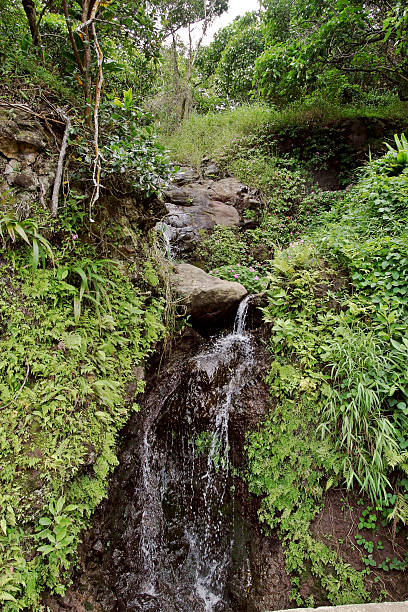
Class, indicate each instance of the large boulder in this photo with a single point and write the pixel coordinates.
(204, 296)
(229, 190)
(185, 175)
(191, 209)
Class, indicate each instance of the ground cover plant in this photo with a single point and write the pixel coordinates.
(63, 402)
(337, 357)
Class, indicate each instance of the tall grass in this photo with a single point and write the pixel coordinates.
(210, 135)
(353, 414)
(213, 134)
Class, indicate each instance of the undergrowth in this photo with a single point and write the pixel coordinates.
(338, 339)
(215, 134)
(64, 398)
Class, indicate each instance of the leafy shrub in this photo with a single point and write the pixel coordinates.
(130, 149)
(27, 230)
(252, 278)
(223, 246)
(133, 147)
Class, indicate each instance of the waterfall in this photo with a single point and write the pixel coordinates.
(240, 319)
(165, 231)
(184, 516)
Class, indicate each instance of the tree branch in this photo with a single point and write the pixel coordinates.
(60, 167)
(71, 38)
(91, 18)
(43, 12)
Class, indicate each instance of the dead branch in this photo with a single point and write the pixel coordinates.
(60, 167)
(27, 109)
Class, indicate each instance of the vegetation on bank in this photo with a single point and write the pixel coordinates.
(75, 336)
(81, 310)
(332, 267)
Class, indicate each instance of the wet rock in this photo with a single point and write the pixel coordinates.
(185, 223)
(166, 493)
(204, 296)
(185, 175)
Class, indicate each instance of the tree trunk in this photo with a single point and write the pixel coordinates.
(31, 14)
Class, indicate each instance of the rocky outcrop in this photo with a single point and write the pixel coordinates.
(204, 296)
(195, 204)
(27, 168)
(185, 175)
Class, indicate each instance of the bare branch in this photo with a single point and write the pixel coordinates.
(91, 19)
(60, 167)
(43, 12)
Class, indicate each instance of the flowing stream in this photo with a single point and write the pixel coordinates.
(186, 521)
(174, 533)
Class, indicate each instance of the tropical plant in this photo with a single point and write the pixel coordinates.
(401, 153)
(92, 285)
(27, 229)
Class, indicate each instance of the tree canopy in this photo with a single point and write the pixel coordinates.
(310, 42)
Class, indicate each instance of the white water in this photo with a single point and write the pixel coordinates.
(208, 569)
(184, 494)
(165, 231)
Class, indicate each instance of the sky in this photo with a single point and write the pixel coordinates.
(236, 8)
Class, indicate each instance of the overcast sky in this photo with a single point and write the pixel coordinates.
(236, 7)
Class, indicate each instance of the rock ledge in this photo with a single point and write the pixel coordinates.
(204, 296)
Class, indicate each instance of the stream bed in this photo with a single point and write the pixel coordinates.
(179, 531)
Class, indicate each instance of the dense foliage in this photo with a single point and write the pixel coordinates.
(342, 48)
(77, 298)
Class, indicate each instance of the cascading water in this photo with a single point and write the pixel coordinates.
(178, 531)
(165, 230)
(171, 517)
(186, 515)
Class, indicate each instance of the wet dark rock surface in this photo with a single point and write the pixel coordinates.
(179, 532)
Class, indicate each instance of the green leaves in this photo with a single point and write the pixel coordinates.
(69, 409)
(27, 230)
(401, 153)
(132, 148)
(92, 284)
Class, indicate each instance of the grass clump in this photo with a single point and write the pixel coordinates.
(212, 134)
